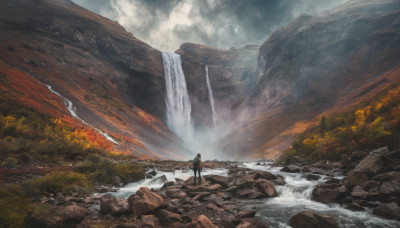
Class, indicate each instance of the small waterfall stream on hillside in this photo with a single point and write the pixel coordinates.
(211, 97)
(72, 110)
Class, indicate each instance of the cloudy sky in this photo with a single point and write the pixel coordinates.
(166, 24)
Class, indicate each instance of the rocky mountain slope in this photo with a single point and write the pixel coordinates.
(113, 79)
(319, 64)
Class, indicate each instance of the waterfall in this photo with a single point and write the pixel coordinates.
(177, 98)
(211, 97)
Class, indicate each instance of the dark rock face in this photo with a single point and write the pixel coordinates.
(231, 74)
(311, 219)
(319, 63)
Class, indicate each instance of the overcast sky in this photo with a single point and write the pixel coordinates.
(166, 24)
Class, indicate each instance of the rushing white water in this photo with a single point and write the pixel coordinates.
(72, 109)
(295, 196)
(177, 99)
(211, 97)
(158, 181)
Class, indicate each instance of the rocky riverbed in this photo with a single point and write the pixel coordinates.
(359, 193)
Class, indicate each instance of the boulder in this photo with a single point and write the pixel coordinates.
(167, 217)
(215, 179)
(374, 162)
(115, 206)
(311, 219)
(249, 194)
(149, 221)
(389, 211)
(58, 217)
(218, 201)
(251, 223)
(312, 177)
(326, 192)
(116, 180)
(145, 201)
(245, 214)
(356, 178)
(205, 222)
(291, 169)
(266, 188)
(388, 188)
(358, 192)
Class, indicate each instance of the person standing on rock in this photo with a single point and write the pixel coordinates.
(197, 167)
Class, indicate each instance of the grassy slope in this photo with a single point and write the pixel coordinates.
(366, 126)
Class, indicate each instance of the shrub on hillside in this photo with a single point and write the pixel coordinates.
(60, 181)
(103, 170)
(14, 206)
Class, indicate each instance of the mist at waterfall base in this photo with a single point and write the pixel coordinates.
(200, 139)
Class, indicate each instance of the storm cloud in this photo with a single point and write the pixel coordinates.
(219, 23)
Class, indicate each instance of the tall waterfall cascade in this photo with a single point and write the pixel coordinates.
(211, 97)
(177, 99)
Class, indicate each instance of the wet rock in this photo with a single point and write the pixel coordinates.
(88, 200)
(266, 188)
(215, 179)
(355, 207)
(358, 192)
(215, 187)
(388, 188)
(116, 180)
(167, 217)
(115, 206)
(201, 196)
(152, 172)
(162, 178)
(389, 211)
(326, 192)
(374, 162)
(212, 206)
(310, 219)
(312, 177)
(218, 201)
(205, 222)
(229, 222)
(291, 169)
(251, 223)
(249, 194)
(145, 201)
(149, 221)
(356, 178)
(245, 214)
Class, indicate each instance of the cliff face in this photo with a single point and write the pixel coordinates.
(231, 73)
(320, 64)
(105, 71)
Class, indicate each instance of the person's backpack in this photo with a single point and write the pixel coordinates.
(196, 163)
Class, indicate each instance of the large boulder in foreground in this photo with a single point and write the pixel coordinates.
(267, 188)
(68, 216)
(115, 206)
(145, 202)
(310, 219)
(202, 222)
(374, 163)
(389, 211)
(326, 192)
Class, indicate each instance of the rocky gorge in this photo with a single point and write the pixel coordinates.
(242, 195)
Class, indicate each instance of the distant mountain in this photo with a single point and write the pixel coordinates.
(319, 64)
(115, 81)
